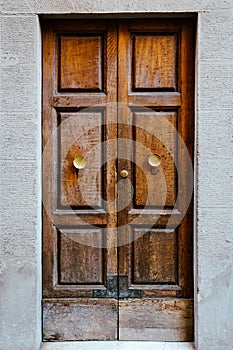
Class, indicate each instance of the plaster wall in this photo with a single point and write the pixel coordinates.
(20, 170)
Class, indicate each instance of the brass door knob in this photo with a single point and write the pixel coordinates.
(154, 160)
(79, 162)
(124, 174)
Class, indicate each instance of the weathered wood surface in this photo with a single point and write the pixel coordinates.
(125, 65)
(159, 264)
(81, 135)
(155, 187)
(155, 61)
(80, 319)
(156, 320)
(81, 256)
(79, 66)
(81, 62)
(153, 199)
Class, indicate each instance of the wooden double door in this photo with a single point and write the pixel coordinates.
(117, 179)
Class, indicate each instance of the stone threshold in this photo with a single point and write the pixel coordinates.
(118, 345)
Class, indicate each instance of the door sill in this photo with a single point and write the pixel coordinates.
(119, 345)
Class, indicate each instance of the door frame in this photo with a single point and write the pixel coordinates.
(194, 167)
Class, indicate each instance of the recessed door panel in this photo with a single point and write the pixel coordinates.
(159, 264)
(154, 61)
(81, 136)
(81, 63)
(155, 153)
(81, 256)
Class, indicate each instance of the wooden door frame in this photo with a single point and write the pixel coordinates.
(194, 121)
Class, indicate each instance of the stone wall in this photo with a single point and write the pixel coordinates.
(20, 171)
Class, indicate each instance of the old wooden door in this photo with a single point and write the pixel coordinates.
(117, 179)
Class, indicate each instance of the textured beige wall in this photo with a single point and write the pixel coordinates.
(20, 140)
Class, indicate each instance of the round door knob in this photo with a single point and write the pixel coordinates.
(154, 160)
(79, 162)
(124, 174)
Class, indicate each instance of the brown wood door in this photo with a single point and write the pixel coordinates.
(117, 180)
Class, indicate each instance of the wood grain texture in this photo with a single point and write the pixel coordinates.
(155, 99)
(150, 216)
(76, 101)
(159, 264)
(79, 132)
(81, 63)
(81, 135)
(81, 259)
(155, 61)
(155, 133)
(154, 319)
(82, 319)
